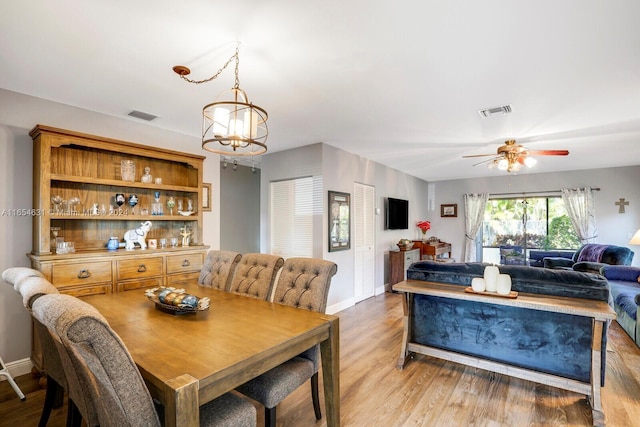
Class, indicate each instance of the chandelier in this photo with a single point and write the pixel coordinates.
(231, 125)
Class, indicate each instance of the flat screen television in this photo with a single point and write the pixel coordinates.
(396, 214)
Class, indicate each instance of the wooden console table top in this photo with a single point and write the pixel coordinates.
(599, 311)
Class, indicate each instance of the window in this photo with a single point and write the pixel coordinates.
(536, 222)
(294, 205)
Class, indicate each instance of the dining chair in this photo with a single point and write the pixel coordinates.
(107, 372)
(303, 283)
(32, 286)
(256, 274)
(218, 269)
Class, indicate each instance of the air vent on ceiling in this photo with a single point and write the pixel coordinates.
(495, 111)
(142, 115)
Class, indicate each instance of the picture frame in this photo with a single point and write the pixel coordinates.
(206, 197)
(339, 214)
(449, 211)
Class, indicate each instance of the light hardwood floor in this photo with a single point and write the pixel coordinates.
(428, 392)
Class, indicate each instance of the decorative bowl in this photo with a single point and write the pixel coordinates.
(186, 213)
(405, 246)
(176, 301)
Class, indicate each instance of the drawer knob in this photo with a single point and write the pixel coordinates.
(142, 268)
(186, 263)
(84, 274)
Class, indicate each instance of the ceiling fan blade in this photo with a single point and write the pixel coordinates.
(478, 155)
(484, 161)
(548, 152)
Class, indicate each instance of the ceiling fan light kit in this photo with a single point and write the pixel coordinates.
(511, 156)
(231, 125)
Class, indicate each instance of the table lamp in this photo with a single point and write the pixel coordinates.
(635, 240)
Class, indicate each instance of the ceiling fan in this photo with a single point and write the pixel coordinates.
(511, 156)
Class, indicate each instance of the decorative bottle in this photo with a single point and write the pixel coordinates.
(156, 206)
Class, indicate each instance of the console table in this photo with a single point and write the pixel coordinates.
(432, 250)
(598, 311)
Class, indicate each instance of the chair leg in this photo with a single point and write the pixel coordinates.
(315, 397)
(270, 417)
(49, 401)
(74, 418)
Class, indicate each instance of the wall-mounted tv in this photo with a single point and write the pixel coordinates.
(396, 214)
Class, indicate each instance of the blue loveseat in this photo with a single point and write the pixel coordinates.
(591, 257)
(555, 343)
(625, 291)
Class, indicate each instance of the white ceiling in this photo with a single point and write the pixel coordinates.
(396, 82)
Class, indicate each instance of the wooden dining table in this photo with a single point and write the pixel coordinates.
(189, 359)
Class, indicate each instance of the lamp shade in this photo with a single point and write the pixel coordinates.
(635, 240)
(234, 126)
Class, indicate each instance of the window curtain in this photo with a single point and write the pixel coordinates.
(580, 208)
(474, 206)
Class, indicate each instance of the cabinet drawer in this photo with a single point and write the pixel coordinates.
(139, 284)
(184, 263)
(83, 291)
(182, 279)
(139, 268)
(81, 273)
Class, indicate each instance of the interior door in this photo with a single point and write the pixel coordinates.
(364, 241)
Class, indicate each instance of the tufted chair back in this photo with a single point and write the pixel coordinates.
(218, 269)
(304, 283)
(255, 275)
(97, 362)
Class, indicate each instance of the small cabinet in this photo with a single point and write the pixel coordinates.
(399, 262)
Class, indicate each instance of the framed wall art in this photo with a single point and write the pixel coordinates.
(339, 221)
(206, 197)
(449, 210)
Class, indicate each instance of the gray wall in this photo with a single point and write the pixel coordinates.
(340, 170)
(239, 209)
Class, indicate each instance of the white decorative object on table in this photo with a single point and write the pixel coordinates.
(138, 235)
(478, 284)
(491, 273)
(503, 284)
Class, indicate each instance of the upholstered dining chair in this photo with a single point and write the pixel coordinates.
(107, 372)
(218, 269)
(255, 275)
(30, 284)
(303, 283)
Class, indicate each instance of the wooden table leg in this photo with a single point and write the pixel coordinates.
(330, 351)
(407, 299)
(596, 367)
(181, 402)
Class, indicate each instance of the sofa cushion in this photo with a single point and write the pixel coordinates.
(624, 295)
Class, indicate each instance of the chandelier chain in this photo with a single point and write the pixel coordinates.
(235, 56)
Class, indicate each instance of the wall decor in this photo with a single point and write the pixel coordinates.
(449, 210)
(206, 197)
(339, 221)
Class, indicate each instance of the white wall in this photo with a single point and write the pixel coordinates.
(18, 115)
(614, 183)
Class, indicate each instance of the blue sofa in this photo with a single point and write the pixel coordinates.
(591, 257)
(555, 343)
(625, 291)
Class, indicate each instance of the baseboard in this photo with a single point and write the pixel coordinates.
(333, 309)
(17, 368)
